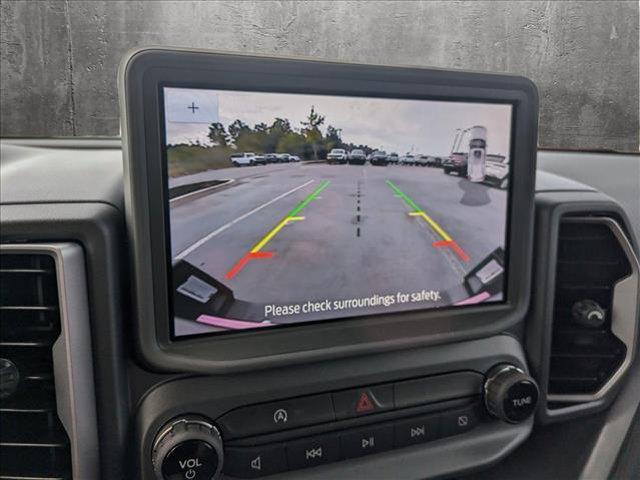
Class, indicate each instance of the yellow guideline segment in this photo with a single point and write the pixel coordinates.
(433, 223)
(274, 232)
(292, 216)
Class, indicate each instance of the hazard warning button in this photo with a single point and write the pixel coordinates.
(362, 401)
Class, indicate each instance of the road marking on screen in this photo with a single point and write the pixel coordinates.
(256, 252)
(274, 232)
(202, 190)
(224, 227)
(446, 241)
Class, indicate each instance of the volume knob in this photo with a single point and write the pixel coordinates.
(510, 394)
(188, 447)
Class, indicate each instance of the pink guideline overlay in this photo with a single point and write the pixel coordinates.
(231, 324)
(481, 297)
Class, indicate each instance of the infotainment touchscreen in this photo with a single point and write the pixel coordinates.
(292, 208)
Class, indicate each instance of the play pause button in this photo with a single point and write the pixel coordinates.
(416, 430)
(367, 440)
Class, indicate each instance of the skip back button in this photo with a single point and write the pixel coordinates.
(313, 451)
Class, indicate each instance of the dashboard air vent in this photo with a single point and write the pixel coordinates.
(588, 346)
(33, 442)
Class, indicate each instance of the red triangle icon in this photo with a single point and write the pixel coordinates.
(364, 404)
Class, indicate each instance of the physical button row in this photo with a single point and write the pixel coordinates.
(329, 407)
(253, 462)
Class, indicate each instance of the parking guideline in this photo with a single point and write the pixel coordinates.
(447, 241)
(274, 232)
(256, 252)
(309, 199)
(292, 216)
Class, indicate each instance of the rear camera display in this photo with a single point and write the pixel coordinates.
(292, 208)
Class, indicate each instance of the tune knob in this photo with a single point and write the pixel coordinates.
(510, 394)
(188, 448)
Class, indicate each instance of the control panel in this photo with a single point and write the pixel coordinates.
(312, 430)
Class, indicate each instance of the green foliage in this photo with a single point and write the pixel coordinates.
(293, 143)
(333, 139)
(187, 159)
(217, 135)
(237, 129)
(279, 137)
(281, 126)
(314, 120)
(308, 142)
(311, 130)
(261, 128)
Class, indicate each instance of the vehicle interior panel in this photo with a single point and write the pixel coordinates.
(208, 318)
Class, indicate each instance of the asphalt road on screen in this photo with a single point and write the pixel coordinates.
(292, 233)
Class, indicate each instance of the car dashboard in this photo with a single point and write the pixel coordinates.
(207, 299)
(413, 413)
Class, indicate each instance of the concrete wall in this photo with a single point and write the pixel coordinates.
(59, 58)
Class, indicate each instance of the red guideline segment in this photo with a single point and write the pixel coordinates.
(244, 260)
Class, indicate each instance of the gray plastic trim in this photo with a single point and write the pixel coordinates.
(142, 72)
(481, 447)
(212, 396)
(72, 355)
(624, 315)
(611, 438)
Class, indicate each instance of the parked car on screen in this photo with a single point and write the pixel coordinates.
(379, 157)
(434, 161)
(497, 171)
(294, 158)
(271, 157)
(337, 155)
(357, 157)
(283, 157)
(421, 160)
(455, 163)
(260, 160)
(393, 158)
(407, 159)
(243, 159)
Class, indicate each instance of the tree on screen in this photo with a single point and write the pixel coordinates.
(237, 128)
(308, 142)
(217, 135)
(311, 130)
(261, 128)
(333, 138)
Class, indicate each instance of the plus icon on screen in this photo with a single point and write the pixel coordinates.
(193, 107)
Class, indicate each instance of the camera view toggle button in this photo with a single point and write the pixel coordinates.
(276, 416)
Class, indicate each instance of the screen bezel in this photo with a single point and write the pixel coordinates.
(142, 77)
(167, 243)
